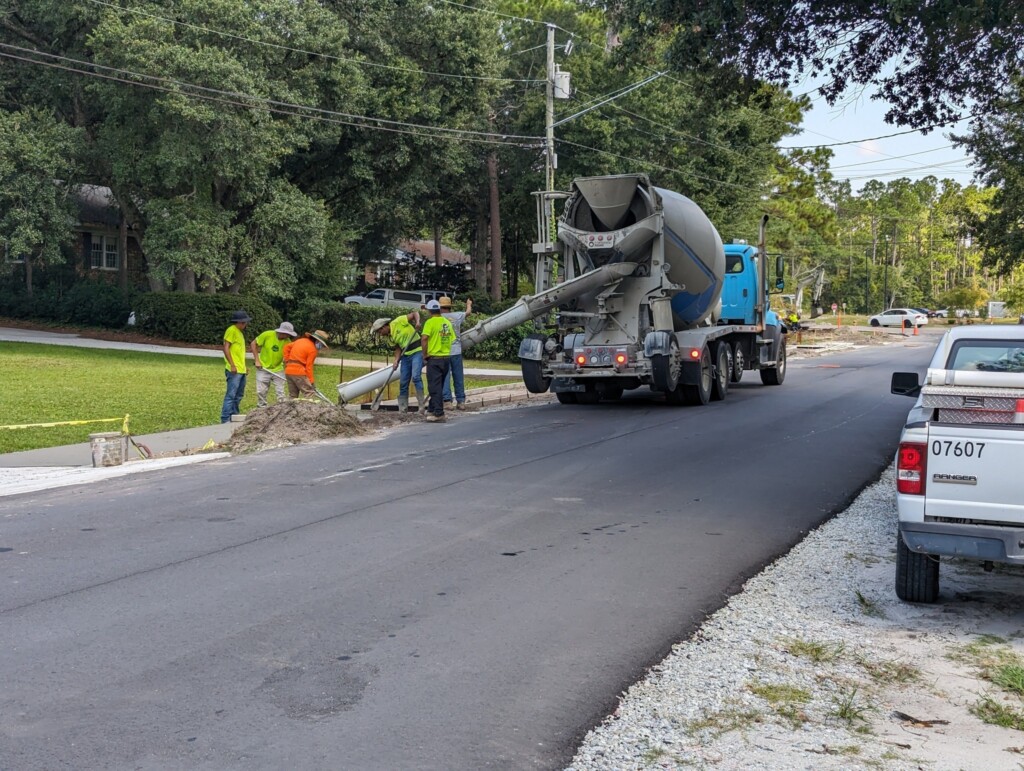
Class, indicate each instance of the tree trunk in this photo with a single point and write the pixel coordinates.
(437, 245)
(28, 275)
(185, 281)
(492, 178)
(479, 271)
(122, 248)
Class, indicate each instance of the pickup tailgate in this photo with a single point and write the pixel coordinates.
(975, 472)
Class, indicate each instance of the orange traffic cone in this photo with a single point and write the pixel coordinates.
(916, 326)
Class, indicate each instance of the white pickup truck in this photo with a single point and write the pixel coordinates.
(960, 463)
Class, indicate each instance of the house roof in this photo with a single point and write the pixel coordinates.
(426, 249)
(96, 206)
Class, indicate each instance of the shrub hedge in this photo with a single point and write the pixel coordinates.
(89, 303)
(349, 327)
(200, 317)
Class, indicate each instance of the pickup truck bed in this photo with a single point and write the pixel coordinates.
(960, 466)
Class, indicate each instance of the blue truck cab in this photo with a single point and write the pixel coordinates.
(739, 286)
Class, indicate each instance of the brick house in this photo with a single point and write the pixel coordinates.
(105, 248)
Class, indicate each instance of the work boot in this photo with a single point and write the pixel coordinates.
(403, 403)
(460, 406)
(420, 399)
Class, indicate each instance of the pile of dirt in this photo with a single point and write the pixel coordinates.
(292, 422)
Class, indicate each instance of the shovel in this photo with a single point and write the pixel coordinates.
(376, 399)
(317, 391)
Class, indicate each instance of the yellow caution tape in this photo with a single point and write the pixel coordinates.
(67, 423)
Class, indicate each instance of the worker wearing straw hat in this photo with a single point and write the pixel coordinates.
(268, 356)
(299, 358)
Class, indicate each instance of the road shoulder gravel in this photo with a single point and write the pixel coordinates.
(816, 664)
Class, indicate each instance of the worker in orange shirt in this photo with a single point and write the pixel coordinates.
(299, 357)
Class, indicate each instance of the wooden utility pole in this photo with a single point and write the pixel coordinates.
(495, 211)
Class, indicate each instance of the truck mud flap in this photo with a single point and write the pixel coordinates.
(562, 385)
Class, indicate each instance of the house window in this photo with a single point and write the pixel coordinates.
(10, 257)
(104, 254)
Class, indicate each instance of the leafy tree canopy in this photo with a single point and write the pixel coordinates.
(928, 60)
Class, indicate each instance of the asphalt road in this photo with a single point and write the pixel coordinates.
(460, 596)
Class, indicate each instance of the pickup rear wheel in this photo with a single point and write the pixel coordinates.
(720, 383)
(917, 574)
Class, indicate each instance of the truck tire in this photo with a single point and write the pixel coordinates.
(917, 575)
(700, 393)
(590, 396)
(533, 372)
(720, 382)
(566, 397)
(738, 363)
(775, 375)
(665, 371)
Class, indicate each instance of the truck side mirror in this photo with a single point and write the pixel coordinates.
(905, 384)
(780, 269)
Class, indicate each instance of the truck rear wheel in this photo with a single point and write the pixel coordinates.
(533, 372)
(610, 393)
(665, 371)
(566, 397)
(738, 362)
(590, 396)
(700, 393)
(720, 383)
(775, 375)
(917, 575)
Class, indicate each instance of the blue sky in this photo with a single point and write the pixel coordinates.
(912, 155)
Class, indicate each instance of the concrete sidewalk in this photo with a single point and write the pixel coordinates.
(40, 337)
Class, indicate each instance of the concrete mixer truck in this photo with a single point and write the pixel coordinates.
(683, 314)
(646, 296)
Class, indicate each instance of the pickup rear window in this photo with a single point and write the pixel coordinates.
(987, 356)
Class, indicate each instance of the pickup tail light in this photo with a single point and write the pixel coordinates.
(911, 461)
(1018, 415)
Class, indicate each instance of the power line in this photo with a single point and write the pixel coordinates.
(249, 101)
(890, 158)
(282, 47)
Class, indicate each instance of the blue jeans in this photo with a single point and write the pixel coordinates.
(233, 395)
(456, 379)
(411, 369)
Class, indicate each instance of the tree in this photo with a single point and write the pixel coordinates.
(927, 60)
(38, 169)
(997, 143)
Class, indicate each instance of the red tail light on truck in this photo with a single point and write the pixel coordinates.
(910, 468)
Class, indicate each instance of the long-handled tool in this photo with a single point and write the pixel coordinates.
(376, 399)
(315, 390)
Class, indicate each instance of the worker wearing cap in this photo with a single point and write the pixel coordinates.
(234, 365)
(457, 381)
(437, 339)
(298, 363)
(268, 356)
(405, 337)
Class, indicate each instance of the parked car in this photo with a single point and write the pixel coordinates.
(897, 317)
(925, 311)
(403, 298)
(939, 314)
(959, 459)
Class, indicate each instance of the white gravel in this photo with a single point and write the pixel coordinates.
(809, 665)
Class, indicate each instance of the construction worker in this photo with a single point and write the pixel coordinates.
(437, 339)
(405, 337)
(268, 356)
(457, 381)
(298, 363)
(234, 364)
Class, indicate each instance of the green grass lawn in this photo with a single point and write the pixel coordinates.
(49, 383)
